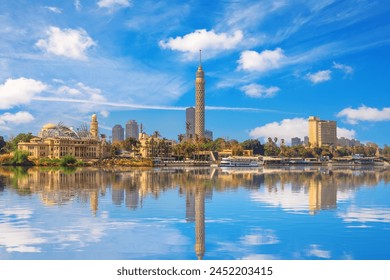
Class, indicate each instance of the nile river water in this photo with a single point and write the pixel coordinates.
(194, 213)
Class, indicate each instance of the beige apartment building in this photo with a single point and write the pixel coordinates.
(321, 132)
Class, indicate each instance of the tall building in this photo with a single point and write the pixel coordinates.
(322, 133)
(132, 130)
(117, 133)
(306, 141)
(199, 101)
(208, 134)
(296, 141)
(190, 122)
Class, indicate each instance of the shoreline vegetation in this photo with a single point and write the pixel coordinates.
(22, 159)
(204, 152)
(19, 158)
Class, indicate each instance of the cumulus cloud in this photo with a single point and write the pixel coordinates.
(15, 92)
(259, 91)
(203, 40)
(319, 77)
(364, 113)
(286, 129)
(111, 4)
(18, 118)
(346, 133)
(54, 10)
(71, 43)
(65, 90)
(348, 70)
(261, 62)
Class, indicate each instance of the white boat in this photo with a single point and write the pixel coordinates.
(237, 161)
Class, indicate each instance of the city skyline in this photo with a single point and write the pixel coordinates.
(269, 65)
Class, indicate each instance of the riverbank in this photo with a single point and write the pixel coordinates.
(9, 160)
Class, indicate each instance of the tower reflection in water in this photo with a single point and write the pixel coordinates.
(199, 222)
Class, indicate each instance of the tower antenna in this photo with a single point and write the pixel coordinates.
(200, 57)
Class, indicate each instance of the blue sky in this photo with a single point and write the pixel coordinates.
(269, 65)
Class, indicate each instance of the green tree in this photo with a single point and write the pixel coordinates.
(68, 160)
(254, 145)
(2, 144)
(12, 145)
(21, 158)
(270, 149)
(130, 144)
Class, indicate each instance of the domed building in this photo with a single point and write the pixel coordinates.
(56, 141)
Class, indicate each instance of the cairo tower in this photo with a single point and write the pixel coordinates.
(199, 101)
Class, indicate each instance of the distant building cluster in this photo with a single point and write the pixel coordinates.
(323, 133)
(345, 142)
(131, 130)
(296, 141)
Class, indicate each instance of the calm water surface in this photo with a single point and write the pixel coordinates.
(190, 213)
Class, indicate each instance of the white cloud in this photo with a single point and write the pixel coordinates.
(111, 4)
(77, 5)
(348, 70)
(364, 113)
(65, 90)
(366, 215)
(94, 94)
(19, 91)
(261, 62)
(259, 91)
(319, 77)
(16, 234)
(54, 10)
(286, 198)
(347, 133)
(260, 237)
(104, 113)
(202, 39)
(18, 118)
(286, 129)
(317, 252)
(72, 43)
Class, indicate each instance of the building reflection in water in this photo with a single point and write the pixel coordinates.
(318, 187)
(322, 195)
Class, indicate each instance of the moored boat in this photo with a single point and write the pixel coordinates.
(237, 161)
